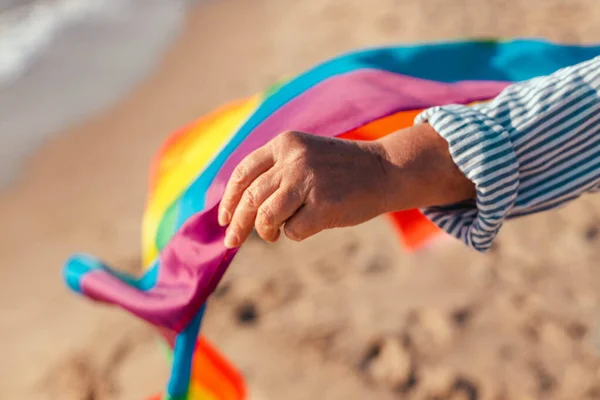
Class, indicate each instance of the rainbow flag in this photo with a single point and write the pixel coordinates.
(362, 95)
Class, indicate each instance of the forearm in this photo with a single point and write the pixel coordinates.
(420, 172)
(534, 147)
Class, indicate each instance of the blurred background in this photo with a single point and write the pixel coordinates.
(88, 91)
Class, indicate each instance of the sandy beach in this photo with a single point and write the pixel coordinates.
(345, 315)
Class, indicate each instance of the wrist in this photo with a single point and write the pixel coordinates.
(419, 170)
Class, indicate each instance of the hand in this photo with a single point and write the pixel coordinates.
(305, 183)
(308, 183)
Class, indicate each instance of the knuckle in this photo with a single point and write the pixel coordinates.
(292, 139)
(301, 151)
(311, 177)
(288, 136)
(240, 173)
(319, 197)
(250, 198)
(298, 157)
(267, 234)
(293, 146)
(266, 218)
(235, 228)
(327, 204)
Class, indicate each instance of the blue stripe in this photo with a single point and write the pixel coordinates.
(517, 97)
(544, 207)
(557, 111)
(559, 142)
(183, 353)
(560, 179)
(505, 174)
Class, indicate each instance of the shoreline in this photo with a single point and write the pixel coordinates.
(62, 62)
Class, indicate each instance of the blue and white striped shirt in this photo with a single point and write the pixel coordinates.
(534, 147)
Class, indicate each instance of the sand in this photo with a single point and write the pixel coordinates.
(345, 315)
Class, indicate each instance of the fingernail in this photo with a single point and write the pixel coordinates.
(231, 240)
(224, 217)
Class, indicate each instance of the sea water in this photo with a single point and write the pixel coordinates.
(61, 60)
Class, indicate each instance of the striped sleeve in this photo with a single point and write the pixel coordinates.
(534, 147)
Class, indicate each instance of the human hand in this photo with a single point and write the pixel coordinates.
(305, 183)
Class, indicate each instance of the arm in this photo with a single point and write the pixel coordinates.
(535, 146)
(309, 183)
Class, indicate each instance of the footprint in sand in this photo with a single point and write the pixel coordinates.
(592, 233)
(464, 389)
(247, 313)
(387, 363)
(76, 378)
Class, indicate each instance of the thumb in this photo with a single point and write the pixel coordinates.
(304, 224)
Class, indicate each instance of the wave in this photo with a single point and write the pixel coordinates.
(62, 60)
(26, 29)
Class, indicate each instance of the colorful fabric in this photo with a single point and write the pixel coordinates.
(536, 146)
(361, 95)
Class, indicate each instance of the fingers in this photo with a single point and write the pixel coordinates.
(247, 208)
(304, 224)
(254, 165)
(276, 210)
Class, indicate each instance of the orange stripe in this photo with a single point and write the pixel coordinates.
(212, 371)
(382, 127)
(177, 141)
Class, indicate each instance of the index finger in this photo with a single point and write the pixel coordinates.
(252, 166)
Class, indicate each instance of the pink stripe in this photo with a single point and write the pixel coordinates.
(195, 259)
(348, 101)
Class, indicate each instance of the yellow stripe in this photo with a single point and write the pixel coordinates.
(189, 164)
(197, 392)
